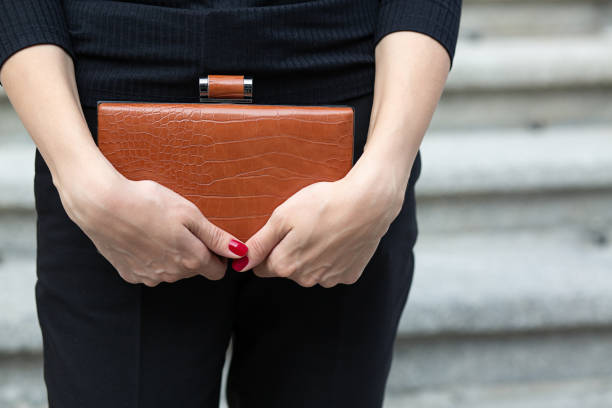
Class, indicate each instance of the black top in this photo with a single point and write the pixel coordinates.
(298, 51)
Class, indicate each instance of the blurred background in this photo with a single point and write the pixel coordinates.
(511, 304)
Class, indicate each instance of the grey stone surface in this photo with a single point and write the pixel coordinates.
(19, 329)
(17, 176)
(531, 63)
(11, 128)
(587, 211)
(533, 18)
(21, 382)
(491, 360)
(507, 281)
(512, 160)
(577, 393)
(463, 162)
(22, 386)
(524, 108)
(17, 234)
(477, 282)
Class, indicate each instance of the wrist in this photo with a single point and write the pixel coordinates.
(374, 180)
(84, 183)
(385, 170)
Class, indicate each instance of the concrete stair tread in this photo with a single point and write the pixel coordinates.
(534, 18)
(524, 62)
(17, 175)
(509, 63)
(494, 281)
(491, 161)
(573, 393)
(516, 160)
(477, 282)
(19, 330)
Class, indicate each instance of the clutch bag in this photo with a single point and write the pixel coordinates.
(235, 160)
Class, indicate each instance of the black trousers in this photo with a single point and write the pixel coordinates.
(109, 343)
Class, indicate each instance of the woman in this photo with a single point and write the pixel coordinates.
(136, 298)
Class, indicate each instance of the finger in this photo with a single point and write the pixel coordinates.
(199, 260)
(216, 239)
(282, 261)
(263, 241)
(215, 268)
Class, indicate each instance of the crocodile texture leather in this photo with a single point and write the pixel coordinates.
(235, 162)
(226, 86)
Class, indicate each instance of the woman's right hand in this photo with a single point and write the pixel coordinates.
(148, 232)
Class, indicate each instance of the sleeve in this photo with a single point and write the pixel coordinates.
(29, 22)
(438, 19)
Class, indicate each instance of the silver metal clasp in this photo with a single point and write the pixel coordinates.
(245, 95)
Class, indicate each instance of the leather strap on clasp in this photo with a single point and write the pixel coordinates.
(226, 88)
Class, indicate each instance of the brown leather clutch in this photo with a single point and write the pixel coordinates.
(236, 161)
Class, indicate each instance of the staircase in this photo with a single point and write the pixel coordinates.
(512, 299)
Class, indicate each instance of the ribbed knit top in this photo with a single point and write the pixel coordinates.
(298, 51)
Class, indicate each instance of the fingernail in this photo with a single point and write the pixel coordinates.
(238, 247)
(239, 264)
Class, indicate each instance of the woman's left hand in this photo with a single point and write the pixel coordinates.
(327, 232)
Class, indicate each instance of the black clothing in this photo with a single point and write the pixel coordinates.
(297, 50)
(109, 343)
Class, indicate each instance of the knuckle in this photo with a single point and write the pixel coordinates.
(150, 282)
(215, 273)
(261, 271)
(191, 263)
(149, 186)
(351, 279)
(191, 212)
(278, 217)
(278, 267)
(290, 268)
(307, 281)
(129, 278)
(328, 283)
(169, 277)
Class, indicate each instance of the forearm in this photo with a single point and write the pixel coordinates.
(411, 70)
(40, 83)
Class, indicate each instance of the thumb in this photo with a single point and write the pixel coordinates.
(262, 243)
(216, 239)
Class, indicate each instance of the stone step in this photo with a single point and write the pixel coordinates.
(21, 386)
(469, 283)
(429, 368)
(520, 80)
(523, 108)
(515, 160)
(516, 62)
(531, 63)
(17, 175)
(11, 128)
(509, 280)
(19, 330)
(485, 19)
(429, 365)
(578, 393)
(528, 82)
(478, 162)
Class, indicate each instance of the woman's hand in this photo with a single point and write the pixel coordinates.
(146, 231)
(327, 232)
(149, 233)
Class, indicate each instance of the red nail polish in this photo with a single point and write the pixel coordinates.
(238, 247)
(239, 264)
